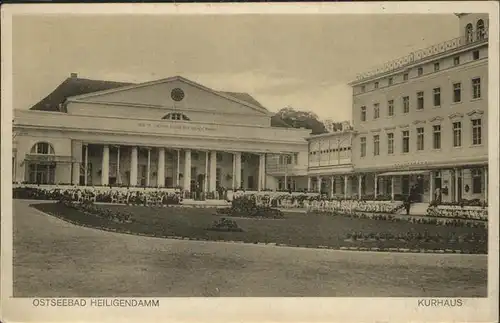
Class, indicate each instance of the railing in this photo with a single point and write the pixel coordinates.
(420, 55)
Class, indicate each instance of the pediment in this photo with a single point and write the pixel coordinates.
(436, 119)
(475, 113)
(404, 126)
(418, 122)
(454, 116)
(375, 130)
(390, 128)
(176, 93)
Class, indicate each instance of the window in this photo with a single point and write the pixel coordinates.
(43, 148)
(363, 113)
(480, 29)
(376, 111)
(376, 85)
(456, 60)
(420, 71)
(376, 145)
(390, 107)
(175, 116)
(477, 181)
(363, 88)
(420, 138)
(362, 141)
(468, 33)
(436, 137)
(476, 88)
(475, 55)
(406, 141)
(390, 143)
(436, 67)
(436, 92)
(391, 80)
(457, 92)
(476, 132)
(457, 134)
(420, 100)
(406, 104)
(405, 77)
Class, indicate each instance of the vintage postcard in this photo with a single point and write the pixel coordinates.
(320, 162)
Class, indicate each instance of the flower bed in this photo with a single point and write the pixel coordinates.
(90, 209)
(458, 212)
(350, 206)
(225, 225)
(412, 236)
(246, 206)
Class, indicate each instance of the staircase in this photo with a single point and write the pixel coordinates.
(416, 209)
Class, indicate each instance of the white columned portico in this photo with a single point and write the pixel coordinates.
(160, 178)
(105, 165)
(262, 172)
(346, 183)
(187, 170)
(205, 178)
(133, 166)
(118, 175)
(360, 180)
(376, 186)
(308, 183)
(319, 184)
(86, 164)
(486, 183)
(431, 186)
(237, 169)
(392, 188)
(213, 171)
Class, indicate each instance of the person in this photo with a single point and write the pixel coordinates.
(408, 203)
(437, 195)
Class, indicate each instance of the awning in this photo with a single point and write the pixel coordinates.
(405, 172)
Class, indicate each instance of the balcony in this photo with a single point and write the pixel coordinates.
(423, 54)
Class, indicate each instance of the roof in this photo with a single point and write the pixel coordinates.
(75, 86)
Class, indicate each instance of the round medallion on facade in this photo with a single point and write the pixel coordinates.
(177, 94)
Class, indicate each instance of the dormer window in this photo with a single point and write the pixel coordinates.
(480, 29)
(176, 116)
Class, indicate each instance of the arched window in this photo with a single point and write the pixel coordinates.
(42, 148)
(480, 29)
(176, 116)
(468, 33)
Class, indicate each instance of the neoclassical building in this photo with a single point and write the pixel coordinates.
(167, 133)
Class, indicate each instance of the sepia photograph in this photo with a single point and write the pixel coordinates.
(249, 155)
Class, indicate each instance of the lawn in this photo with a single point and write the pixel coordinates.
(295, 229)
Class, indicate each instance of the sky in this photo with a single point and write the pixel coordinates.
(301, 61)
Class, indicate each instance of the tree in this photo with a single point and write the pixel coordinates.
(299, 119)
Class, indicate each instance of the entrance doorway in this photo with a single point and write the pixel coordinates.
(42, 173)
(405, 185)
(250, 183)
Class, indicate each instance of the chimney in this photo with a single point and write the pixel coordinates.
(74, 75)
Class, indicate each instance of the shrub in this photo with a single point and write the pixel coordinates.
(225, 225)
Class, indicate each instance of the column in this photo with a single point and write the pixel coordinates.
(187, 170)
(76, 174)
(86, 164)
(455, 197)
(233, 180)
(148, 168)
(118, 175)
(308, 183)
(486, 183)
(133, 167)
(392, 188)
(286, 182)
(319, 184)
(262, 172)
(178, 169)
(346, 185)
(375, 186)
(431, 186)
(332, 183)
(237, 169)
(360, 179)
(105, 165)
(205, 179)
(213, 171)
(160, 178)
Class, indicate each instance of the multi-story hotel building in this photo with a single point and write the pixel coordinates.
(422, 119)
